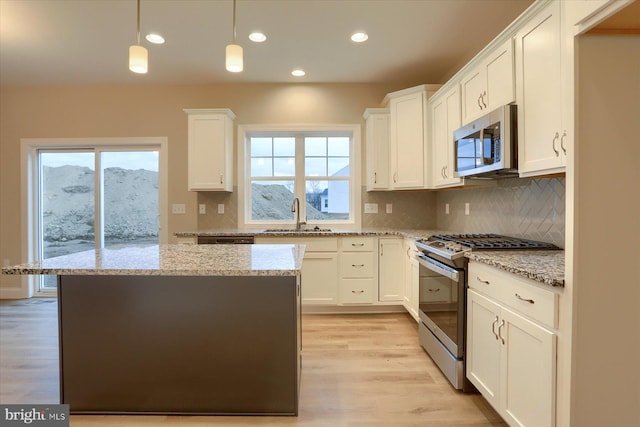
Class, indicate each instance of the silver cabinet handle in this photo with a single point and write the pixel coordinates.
(361, 291)
(486, 282)
(479, 99)
(484, 94)
(220, 178)
(381, 249)
(442, 172)
(357, 265)
(564, 134)
(434, 290)
(357, 245)
(553, 143)
(500, 331)
(493, 327)
(445, 171)
(395, 177)
(375, 177)
(530, 301)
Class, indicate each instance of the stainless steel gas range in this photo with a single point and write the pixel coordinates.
(442, 294)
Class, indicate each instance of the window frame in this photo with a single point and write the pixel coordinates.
(245, 132)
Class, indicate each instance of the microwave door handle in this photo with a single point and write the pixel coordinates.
(431, 265)
(481, 146)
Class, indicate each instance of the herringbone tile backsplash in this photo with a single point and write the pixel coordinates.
(531, 208)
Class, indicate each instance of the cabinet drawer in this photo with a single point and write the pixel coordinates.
(357, 244)
(357, 265)
(314, 244)
(519, 293)
(358, 291)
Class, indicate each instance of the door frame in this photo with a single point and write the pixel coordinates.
(29, 192)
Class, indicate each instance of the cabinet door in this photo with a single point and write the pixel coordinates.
(377, 145)
(539, 93)
(500, 77)
(483, 346)
(473, 92)
(209, 152)
(391, 269)
(439, 140)
(415, 289)
(528, 372)
(320, 278)
(407, 140)
(446, 119)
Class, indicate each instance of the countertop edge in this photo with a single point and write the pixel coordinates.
(504, 261)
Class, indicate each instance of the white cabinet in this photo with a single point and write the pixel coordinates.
(320, 274)
(391, 269)
(411, 281)
(445, 119)
(490, 84)
(542, 109)
(358, 270)
(210, 149)
(377, 147)
(511, 354)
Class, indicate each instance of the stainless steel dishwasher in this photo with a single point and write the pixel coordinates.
(225, 240)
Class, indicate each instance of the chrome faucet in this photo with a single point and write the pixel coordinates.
(295, 207)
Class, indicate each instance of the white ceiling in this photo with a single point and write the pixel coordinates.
(60, 42)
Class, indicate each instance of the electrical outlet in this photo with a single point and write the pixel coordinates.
(178, 208)
(371, 208)
(220, 208)
(446, 208)
(202, 208)
(466, 208)
(389, 208)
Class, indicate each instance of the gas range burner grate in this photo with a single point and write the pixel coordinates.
(494, 242)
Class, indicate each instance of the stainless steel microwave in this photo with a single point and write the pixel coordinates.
(487, 147)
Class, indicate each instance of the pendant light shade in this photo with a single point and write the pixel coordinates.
(234, 61)
(138, 59)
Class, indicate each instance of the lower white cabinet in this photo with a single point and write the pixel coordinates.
(390, 268)
(511, 358)
(411, 295)
(358, 270)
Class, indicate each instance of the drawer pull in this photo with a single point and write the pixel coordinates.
(493, 327)
(530, 301)
(357, 245)
(486, 282)
(357, 265)
(500, 331)
(434, 290)
(361, 291)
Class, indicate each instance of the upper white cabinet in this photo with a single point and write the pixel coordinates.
(542, 104)
(490, 84)
(210, 149)
(408, 136)
(445, 119)
(377, 146)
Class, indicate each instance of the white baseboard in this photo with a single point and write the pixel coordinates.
(351, 309)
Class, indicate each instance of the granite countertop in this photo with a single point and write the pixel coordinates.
(542, 266)
(411, 233)
(174, 260)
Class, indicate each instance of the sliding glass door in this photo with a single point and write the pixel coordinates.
(80, 209)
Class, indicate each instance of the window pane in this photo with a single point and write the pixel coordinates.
(327, 200)
(261, 166)
(339, 146)
(315, 166)
(284, 166)
(261, 147)
(271, 200)
(130, 184)
(285, 147)
(315, 146)
(338, 166)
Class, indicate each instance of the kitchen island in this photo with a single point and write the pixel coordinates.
(179, 329)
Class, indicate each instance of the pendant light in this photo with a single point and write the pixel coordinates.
(138, 58)
(234, 61)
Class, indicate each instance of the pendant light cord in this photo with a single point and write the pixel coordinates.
(138, 33)
(234, 21)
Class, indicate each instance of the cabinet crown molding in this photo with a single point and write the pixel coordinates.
(225, 111)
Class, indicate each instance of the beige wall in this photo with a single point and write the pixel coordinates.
(132, 111)
(606, 319)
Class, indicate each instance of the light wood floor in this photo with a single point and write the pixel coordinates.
(358, 370)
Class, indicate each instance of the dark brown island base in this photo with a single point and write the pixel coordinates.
(179, 329)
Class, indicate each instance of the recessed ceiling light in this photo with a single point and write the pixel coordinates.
(257, 37)
(298, 73)
(154, 38)
(359, 37)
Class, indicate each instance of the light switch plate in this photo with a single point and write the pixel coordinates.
(178, 208)
(371, 208)
(446, 208)
(389, 208)
(202, 208)
(466, 208)
(220, 208)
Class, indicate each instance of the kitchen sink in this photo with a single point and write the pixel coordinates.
(291, 230)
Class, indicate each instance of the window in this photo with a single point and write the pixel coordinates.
(318, 167)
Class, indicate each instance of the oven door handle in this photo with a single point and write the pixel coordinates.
(439, 268)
